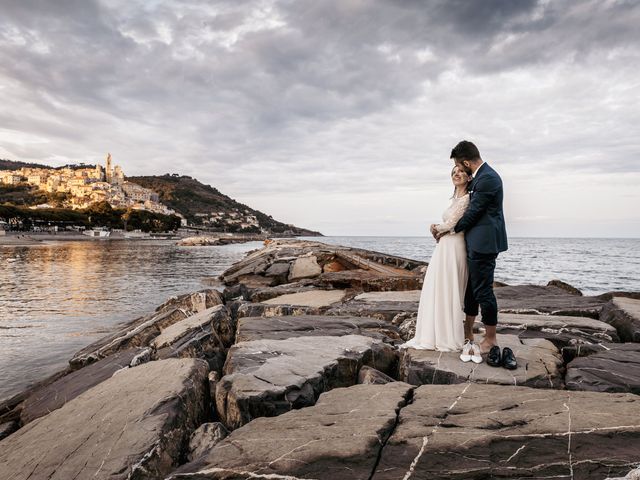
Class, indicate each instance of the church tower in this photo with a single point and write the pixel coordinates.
(109, 172)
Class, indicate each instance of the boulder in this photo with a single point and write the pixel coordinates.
(304, 267)
(539, 365)
(565, 286)
(206, 436)
(53, 396)
(333, 266)
(616, 368)
(371, 376)
(279, 328)
(311, 298)
(140, 332)
(136, 424)
(475, 431)
(206, 335)
(265, 378)
(623, 314)
(261, 294)
(339, 437)
(547, 300)
(562, 331)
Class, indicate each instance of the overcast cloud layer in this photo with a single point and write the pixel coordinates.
(339, 115)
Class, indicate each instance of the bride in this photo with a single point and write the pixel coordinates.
(440, 323)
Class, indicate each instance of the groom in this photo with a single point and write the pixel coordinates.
(485, 236)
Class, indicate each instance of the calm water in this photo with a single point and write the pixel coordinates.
(57, 298)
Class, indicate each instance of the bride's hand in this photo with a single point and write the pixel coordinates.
(433, 230)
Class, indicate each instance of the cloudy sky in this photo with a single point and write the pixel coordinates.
(339, 115)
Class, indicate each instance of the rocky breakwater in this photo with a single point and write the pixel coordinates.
(297, 364)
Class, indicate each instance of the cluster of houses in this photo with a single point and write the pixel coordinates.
(84, 186)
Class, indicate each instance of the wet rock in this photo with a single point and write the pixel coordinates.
(141, 332)
(550, 300)
(310, 298)
(539, 365)
(474, 431)
(290, 326)
(616, 368)
(565, 286)
(337, 438)
(623, 314)
(370, 376)
(270, 377)
(206, 335)
(383, 305)
(136, 424)
(206, 436)
(304, 267)
(562, 331)
(53, 396)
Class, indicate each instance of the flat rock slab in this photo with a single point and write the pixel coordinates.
(614, 369)
(623, 314)
(384, 307)
(53, 396)
(337, 438)
(134, 425)
(399, 296)
(279, 328)
(473, 431)
(312, 298)
(265, 378)
(549, 300)
(561, 330)
(539, 366)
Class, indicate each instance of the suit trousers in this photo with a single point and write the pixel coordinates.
(479, 290)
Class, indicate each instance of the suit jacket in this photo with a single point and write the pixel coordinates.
(483, 222)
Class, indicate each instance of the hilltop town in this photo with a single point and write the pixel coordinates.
(85, 185)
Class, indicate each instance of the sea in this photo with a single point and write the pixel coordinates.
(57, 297)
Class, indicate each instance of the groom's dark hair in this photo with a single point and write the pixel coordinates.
(465, 151)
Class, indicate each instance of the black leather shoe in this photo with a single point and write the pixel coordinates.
(493, 357)
(509, 359)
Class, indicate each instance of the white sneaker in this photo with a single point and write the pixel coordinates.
(476, 356)
(465, 356)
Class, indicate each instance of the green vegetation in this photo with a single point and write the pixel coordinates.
(27, 195)
(99, 214)
(188, 197)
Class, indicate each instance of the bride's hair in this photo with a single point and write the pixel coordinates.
(466, 187)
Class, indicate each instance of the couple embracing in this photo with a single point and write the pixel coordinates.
(459, 279)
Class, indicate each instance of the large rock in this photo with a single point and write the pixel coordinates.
(304, 267)
(561, 330)
(550, 300)
(539, 365)
(140, 332)
(279, 328)
(53, 396)
(135, 425)
(337, 438)
(383, 305)
(205, 335)
(623, 314)
(615, 368)
(266, 310)
(472, 431)
(369, 281)
(270, 377)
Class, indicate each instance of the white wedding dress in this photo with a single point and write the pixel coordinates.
(440, 321)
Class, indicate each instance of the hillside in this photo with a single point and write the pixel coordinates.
(206, 205)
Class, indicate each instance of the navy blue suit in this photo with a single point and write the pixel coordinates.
(485, 237)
